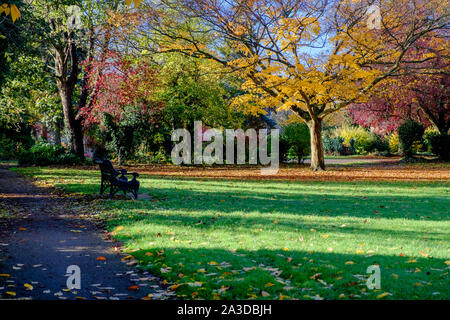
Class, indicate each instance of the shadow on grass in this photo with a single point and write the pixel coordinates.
(431, 207)
(379, 200)
(294, 274)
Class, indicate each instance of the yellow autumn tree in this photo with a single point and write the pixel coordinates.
(10, 9)
(309, 57)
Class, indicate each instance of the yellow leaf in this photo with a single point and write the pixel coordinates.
(381, 296)
(269, 284)
(128, 2)
(101, 258)
(447, 262)
(174, 287)
(395, 276)
(411, 261)
(285, 249)
(4, 275)
(119, 228)
(11, 293)
(15, 13)
(28, 286)
(349, 262)
(325, 236)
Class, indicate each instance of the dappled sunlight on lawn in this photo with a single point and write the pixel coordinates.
(228, 239)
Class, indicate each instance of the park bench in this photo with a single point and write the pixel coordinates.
(116, 180)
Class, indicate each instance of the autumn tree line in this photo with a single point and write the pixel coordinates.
(121, 75)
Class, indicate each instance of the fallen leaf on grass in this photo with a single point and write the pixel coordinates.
(195, 284)
(265, 293)
(381, 296)
(424, 254)
(316, 276)
(174, 287)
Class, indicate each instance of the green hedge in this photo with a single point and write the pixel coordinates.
(43, 154)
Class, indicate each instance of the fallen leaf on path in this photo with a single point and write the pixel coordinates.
(133, 288)
(28, 286)
(265, 293)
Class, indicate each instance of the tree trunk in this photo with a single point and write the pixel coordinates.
(66, 59)
(317, 157)
(73, 126)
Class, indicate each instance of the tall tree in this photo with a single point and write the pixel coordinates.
(66, 34)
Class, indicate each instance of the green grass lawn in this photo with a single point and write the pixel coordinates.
(223, 239)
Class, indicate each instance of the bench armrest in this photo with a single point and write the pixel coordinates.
(124, 172)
